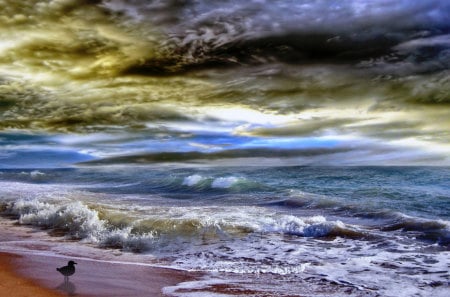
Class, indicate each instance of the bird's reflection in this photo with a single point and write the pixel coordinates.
(67, 287)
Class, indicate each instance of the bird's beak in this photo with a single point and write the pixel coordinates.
(75, 263)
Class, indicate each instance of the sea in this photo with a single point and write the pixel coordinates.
(282, 231)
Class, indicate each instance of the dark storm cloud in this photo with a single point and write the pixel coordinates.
(206, 33)
(120, 37)
(226, 154)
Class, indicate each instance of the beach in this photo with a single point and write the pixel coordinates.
(15, 285)
(35, 275)
(28, 263)
(29, 258)
(25, 275)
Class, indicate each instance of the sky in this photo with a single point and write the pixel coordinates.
(306, 82)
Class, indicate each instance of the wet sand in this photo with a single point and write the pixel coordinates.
(13, 285)
(36, 275)
(29, 258)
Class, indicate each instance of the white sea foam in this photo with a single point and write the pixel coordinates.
(194, 288)
(224, 182)
(408, 273)
(125, 239)
(316, 226)
(78, 221)
(213, 182)
(192, 180)
(36, 174)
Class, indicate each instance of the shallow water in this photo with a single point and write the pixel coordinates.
(378, 231)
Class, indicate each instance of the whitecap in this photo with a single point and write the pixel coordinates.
(36, 174)
(192, 180)
(224, 182)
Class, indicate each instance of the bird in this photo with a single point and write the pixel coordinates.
(67, 270)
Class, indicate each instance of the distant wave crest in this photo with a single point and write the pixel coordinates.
(231, 182)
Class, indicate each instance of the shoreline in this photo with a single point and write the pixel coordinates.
(29, 257)
(33, 257)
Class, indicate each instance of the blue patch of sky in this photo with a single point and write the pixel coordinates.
(22, 150)
(41, 159)
(17, 138)
(209, 143)
(290, 143)
(30, 150)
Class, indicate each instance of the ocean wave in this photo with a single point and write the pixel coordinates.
(192, 180)
(127, 240)
(335, 205)
(151, 227)
(437, 231)
(315, 226)
(75, 220)
(30, 176)
(224, 182)
(385, 220)
(36, 174)
(231, 182)
(109, 227)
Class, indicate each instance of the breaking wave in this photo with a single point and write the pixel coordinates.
(192, 180)
(316, 226)
(224, 182)
(385, 220)
(113, 228)
(430, 230)
(234, 183)
(76, 220)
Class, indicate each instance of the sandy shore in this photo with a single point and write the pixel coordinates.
(36, 275)
(11, 284)
(28, 263)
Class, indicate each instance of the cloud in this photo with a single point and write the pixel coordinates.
(85, 107)
(212, 156)
(375, 69)
(301, 128)
(231, 33)
(414, 44)
(72, 39)
(359, 153)
(84, 39)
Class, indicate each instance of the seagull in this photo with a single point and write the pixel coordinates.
(67, 270)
